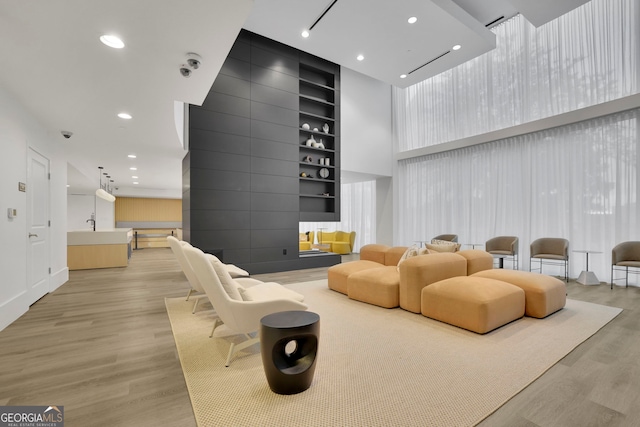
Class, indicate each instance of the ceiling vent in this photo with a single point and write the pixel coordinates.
(322, 14)
(495, 22)
(429, 62)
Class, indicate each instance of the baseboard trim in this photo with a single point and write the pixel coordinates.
(58, 279)
(12, 309)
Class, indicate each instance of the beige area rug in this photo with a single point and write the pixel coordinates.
(378, 367)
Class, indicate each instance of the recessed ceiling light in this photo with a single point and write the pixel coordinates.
(456, 47)
(360, 57)
(68, 186)
(305, 34)
(131, 156)
(112, 41)
(403, 76)
(134, 177)
(135, 182)
(125, 116)
(133, 169)
(412, 20)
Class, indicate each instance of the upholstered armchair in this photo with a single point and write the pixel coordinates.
(550, 250)
(339, 242)
(177, 249)
(504, 247)
(624, 256)
(239, 309)
(306, 240)
(448, 237)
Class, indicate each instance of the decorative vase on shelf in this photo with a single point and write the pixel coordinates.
(325, 128)
(320, 145)
(311, 142)
(306, 126)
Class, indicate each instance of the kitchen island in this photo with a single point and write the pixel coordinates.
(87, 249)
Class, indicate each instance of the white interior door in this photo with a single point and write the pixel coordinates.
(37, 225)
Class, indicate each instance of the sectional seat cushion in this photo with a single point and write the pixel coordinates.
(544, 294)
(378, 286)
(337, 274)
(474, 303)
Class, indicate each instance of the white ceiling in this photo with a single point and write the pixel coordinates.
(53, 63)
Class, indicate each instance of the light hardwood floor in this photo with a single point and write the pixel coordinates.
(101, 346)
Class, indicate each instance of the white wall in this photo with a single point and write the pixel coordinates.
(19, 130)
(366, 142)
(365, 124)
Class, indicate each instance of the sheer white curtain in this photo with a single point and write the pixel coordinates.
(579, 182)
(358, 213)
(585, 57)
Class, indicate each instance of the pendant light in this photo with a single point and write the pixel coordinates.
(100, 192)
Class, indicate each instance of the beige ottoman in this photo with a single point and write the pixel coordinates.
(474, 303)
(337, 274)
(377, 286)
(544, 294)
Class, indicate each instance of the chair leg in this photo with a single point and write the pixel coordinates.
(189, 294)
(237, 347)
(626, 277)
(611, 276)
(195, 305)
(215, 325)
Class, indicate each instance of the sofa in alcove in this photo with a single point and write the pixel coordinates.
(339, 242)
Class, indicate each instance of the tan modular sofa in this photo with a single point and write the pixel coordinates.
(460, 288)
(377, 279)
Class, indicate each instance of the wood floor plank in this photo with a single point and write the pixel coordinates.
(101, 345)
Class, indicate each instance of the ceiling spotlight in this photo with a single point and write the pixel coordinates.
(131, 156)
(360, 57)
(133, 169)
(403, 76)
(134, 177)
(456, 47)
(412, 20)
(135, 182)
(305, 34)
(112, 41)
(125, 116)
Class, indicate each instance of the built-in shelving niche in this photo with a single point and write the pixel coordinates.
(320, 111)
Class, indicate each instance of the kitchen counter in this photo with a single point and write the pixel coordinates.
(87, 249)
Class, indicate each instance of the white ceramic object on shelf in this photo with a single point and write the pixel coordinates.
(324, 173)
(311, 142)
(325, 128)
(315, 129)
(306, 126)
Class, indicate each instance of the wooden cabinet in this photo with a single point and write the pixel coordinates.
(319, 169)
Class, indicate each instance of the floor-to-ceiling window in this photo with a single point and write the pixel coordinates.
(578, 181)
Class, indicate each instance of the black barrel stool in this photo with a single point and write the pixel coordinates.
(289, 345)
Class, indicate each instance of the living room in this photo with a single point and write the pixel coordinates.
(548, 149)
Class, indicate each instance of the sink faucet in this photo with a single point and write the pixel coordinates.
(92, 220)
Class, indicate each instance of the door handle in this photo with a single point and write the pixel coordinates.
(33, 235)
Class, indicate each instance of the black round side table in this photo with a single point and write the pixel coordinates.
(289, 346)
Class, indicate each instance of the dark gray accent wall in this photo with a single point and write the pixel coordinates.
(241, 176)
